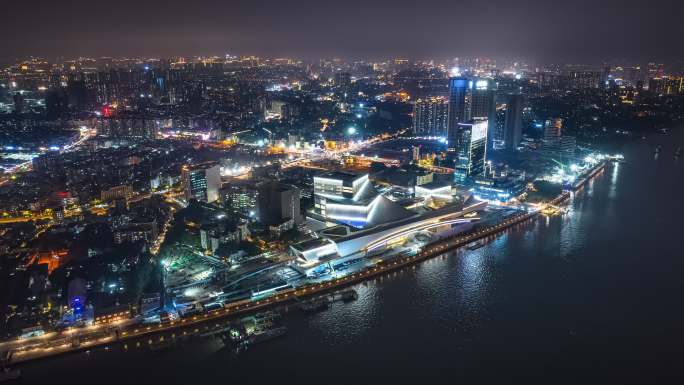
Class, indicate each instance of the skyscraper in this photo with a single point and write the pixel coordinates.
(343, 80)
(513, 122)
(201, 181)
(552, 131)
(582, 79)
(458, 110)
(482, 101)
(470, 99)
(555, 143)
(471, 149)
(483, 105)
(430, 116)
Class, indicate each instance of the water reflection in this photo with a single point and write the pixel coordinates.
(612, 191)
(472, 274)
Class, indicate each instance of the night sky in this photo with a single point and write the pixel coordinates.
(589, 31)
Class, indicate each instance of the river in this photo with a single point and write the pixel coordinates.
(594, 296)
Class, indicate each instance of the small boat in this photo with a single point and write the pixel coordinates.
(315, 305)
(678, 153)
(267, 335)
(475, 245)
(657, 150)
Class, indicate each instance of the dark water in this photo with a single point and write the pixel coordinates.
(592, 297)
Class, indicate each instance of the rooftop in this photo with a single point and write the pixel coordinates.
(340, 175)
(311, 244)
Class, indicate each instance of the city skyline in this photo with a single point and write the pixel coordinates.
(316, 191)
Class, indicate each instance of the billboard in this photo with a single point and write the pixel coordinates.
(479, 130)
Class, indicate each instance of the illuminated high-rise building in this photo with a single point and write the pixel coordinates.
(201, 182)
(470, 99)
(471, 149)
(552, 131)
(482, 101)
(668, 85)
(430, 116)
(556, 144)
(459, 99)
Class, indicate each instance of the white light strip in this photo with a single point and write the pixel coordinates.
(383, 241)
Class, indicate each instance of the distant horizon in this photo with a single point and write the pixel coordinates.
(579, 31)
(441, 59)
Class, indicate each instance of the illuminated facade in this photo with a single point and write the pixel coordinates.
(443, 221)
(201, 182)
(430, 116)
(343, 197)
(435, 191)
(470, 98)
(471, 150)
(240, 197)
(666, 85)
(499, 189)
(339, 185)
(552, 131)
(352, 200)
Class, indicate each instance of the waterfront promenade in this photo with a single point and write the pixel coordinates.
(101, 335)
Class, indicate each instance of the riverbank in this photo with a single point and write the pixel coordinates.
(114, 333)
(107, 334)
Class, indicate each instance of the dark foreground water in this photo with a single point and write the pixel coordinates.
(593, 297)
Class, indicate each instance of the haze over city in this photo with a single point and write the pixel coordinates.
(583, 31)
